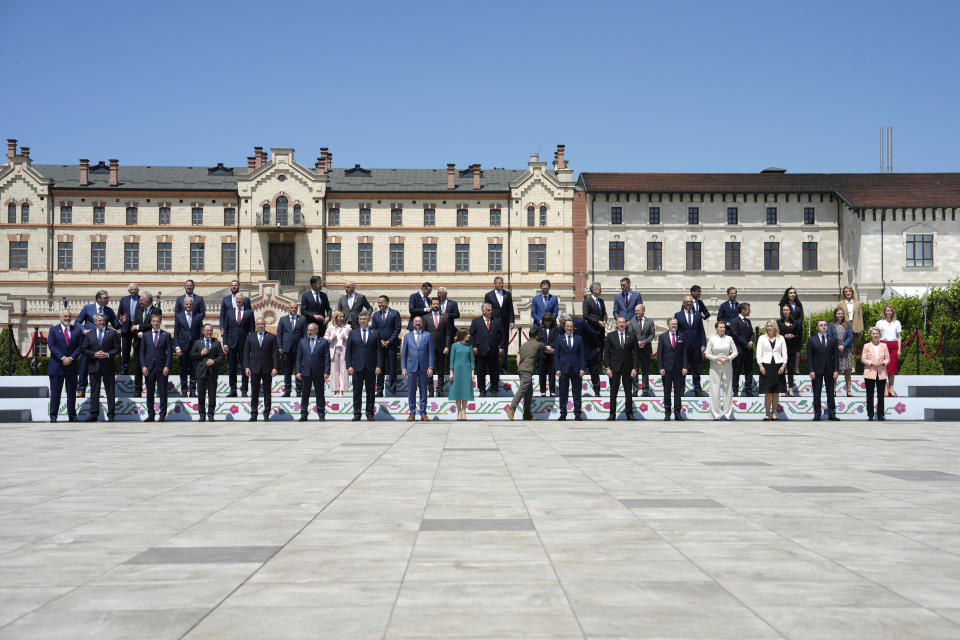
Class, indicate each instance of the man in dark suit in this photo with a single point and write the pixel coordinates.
(85, 322)
(729, 310)
(570, 360)
(156, 356)
(501, 305)
(448, 306)
(672, 358)
(313, 369)
(442, 333)
(742, 333)
(239, 324)
(125, 313)
(698, 306)
(626, 301)
(822, 355)
(207, 354)
(101, 346)
(386, 326)
(229, 304)
(361, 360)
(289, 334)
(419, 303)
(644, 331)
(595, 315)
(486, 337)
(352, 304)
(416, 366)
(314, 305)
(619, 352)
(64, 344)
(142, 324)
(199, 304)
(260, 362)
(187, 327)
(690, 326)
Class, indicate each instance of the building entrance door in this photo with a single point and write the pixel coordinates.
(281, 266)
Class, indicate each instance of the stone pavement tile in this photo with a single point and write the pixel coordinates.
(592, 593)
(134, 574)
(952, 614)
(306, 565)
(853, 593)
(314, 594)
(103, 625)
(918, 475)
(715, 622)
(17, 601)
(533, 569)
(476, 524)
(170, 595)
(614, 568)
(196, 555)
(736, 463)
(818, 489)
(854, 623)
(778, 569)
(670, 503)
(292, 623)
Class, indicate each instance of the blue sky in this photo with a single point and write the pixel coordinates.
(634, 86)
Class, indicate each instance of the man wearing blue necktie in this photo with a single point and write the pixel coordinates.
(729, 310)
(101, 347)
(260, 361)
(313, 370)
(207, 354)
(542, 304)
(187, 327)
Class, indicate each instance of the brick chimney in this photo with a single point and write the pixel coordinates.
(114, 169)
(322, 165)
(329, 163)
(560, 162)
(11, 148)
(251, 164)
(476, 176)
(258, 154)
(25, 152)
(84, 172)
(451, 174)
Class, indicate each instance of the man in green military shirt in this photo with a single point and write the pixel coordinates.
(526, 365)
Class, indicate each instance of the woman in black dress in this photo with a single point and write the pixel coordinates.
(788, 328)
(792, 300)
(548, 332)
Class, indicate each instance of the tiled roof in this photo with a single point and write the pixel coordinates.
(67, 176)
(420, 180)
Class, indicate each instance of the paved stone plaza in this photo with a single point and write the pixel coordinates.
(500, 530)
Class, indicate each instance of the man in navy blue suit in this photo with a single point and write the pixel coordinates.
(729, 310)
(690, 327)
(64, 344)
(238, 325)
(260, 362)
(156, 356)
(361, 360)
(313, 369)
(85, 322)
(486, 336)
(386, 326)
(187, 328)
(419, 303)
(501, 310)
(543, 303)
(199, 304)
(289, 334)
(626, 301)
(229, 304)
(314, 304)
(822, 356)
(416, 365)
(126, 326)
(101, 346)
(570, 361)
(672, 358)
(447, 305)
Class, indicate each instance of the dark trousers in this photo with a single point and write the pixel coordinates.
(695, 363)
(137, 369)
(156, 381)
(792, 356)
(233, 363)
(258, 379)
(108, 378)
(673, 386)
(363, 380)
(440, 371)
(207, 394)
(56, 388)
(388, 363)
(594, 367)
(504, 344)
(618, 378)
(566, 379)
(879, 385)
(818, 384)
(288, 365)
(126, 345)
(318, 384)
(81, 372)
(641, 362)
(188, 379)
(743, 365)
(548, 375)
(488, 365)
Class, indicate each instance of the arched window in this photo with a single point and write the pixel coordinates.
(530, 214)
(281, 211)
(543, 216)
(12, 213)
(266, 214)
(24, 213)
(297, 215)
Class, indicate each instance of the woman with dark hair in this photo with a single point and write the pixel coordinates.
(788, 328)
(839, 328)
(547, 333)
(461, 373)
(890, 335)
(792, 300)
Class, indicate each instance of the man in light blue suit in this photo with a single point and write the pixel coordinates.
(626, 301)
(416, 359)
(64, 343)
(543, 303)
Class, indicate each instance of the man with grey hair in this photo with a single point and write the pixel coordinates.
(352, 304)
(644, 332)
(238, 325)
(125, 312)
(486, 334)
(448, 306)
(140, 325)
(595, 315)
(101, 347)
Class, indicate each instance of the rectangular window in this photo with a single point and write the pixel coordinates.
(164, 216)
(12, 213)
(731, 261)
(494, 217)
(809, 256)
(131, 256)
(196, 216)
(98, 256)
(429, 257)
(654, 256)
(771, 256)
(18, 254)
(64, 256)
(333, 217)
(809, 215)
(364, 217)
(654, 215)
(771, 215)
(196, 256)
(616, 256)
(462, 257)
(693, 256)
(333, 256)
(733, 215)
(131, 216)
(365, 256)
(228, 256)
(537, 257)
(99, 215)
(24, 213)
(495, 258)
(229, 217)
(616, 215)
(693, 215)
(396, 256)
(461, 217)
(396, 217)
(164, 256)
(919, 249)
(66, 215)
(429, 217)
(543, 216)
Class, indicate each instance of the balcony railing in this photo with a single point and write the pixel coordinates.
(289, 222)
(284, 277)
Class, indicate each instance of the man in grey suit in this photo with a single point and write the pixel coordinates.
(352, 304)
(644, 331)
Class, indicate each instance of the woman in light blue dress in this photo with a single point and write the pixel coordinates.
(461, 373)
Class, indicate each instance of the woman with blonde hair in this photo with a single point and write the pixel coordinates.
(848, 300)
(772, 358)
(875, 359)
(336, 335)
(839, 328)
(890, 331)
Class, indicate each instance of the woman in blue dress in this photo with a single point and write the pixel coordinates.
(461, 373)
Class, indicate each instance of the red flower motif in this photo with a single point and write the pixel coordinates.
(471, 406)
(234, 409)
(644, 407)
(741, 405)
(900, 407)
(335, 407)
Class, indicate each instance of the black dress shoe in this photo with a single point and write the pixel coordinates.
(53, 420)
(817, 418)
(203, 418)
(149, 419)
(162, 418)
(232, 394)
(611, 417)
(322, 417)
(677, 416)
(370, 416)
(109, 418)
(630, 416)
(93, 419)
(252, 418)
(834, 418)
(266, 418)
(210, 417)
(881, 417)
(578, 418)
(562, 418)
(666, 418)
(356, 418)
(286, 394)
(303, 418)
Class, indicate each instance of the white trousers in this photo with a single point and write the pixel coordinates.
(721, 389)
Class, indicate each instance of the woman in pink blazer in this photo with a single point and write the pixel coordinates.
(337, 333)
(875, 358)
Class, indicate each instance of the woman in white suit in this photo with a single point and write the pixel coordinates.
(772, 358)
(720, 352)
